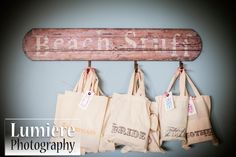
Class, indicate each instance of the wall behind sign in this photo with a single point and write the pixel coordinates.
(29, 88)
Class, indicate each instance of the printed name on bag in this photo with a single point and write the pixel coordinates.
(191, 107)
(175, 132)
(205, 132)
(169, 103)
(86, 100)
(128, 132)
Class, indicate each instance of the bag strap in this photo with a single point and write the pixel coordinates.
(80, 84)
(140, 86)
(182, 82)
(88, 82)
(136, 85)
(194, 88)
(92, 83)
(174, 78)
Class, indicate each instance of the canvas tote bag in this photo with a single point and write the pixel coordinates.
(129, 121)
(173, 111)
(199, 127)
(83, 109)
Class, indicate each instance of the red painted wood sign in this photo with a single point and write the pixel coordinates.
(112, 44)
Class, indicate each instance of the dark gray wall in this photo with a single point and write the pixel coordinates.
(29, 88)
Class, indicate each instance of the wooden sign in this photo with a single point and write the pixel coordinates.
(112, 44)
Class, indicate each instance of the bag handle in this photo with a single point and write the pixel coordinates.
(173, 80)
(140, 86)
(180, 73)
(194, 88)
(80, 84)
(84, 81)
(88, 82)
(91, 82)
(182, 82)
(136, 85)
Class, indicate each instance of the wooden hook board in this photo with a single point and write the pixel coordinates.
(112, 44)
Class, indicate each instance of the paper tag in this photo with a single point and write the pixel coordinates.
(191, 107)
(169, 103)
(86, 100)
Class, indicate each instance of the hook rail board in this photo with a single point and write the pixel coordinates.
(112, 44)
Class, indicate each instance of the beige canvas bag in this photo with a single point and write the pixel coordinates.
(173, 121)
(129, 121)
(82, 112)
(199, 127)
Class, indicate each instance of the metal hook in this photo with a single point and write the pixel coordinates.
(136, 66)
(89, 66)
(89, 63)
(181, 66)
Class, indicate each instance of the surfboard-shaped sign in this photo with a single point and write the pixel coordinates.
(112, 44)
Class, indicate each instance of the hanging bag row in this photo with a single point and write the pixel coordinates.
(131, 120)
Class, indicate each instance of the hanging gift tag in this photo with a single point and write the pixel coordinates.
(86, 100)
(191, 107)
(169, 103)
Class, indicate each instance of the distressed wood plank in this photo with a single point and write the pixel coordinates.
(112, 44)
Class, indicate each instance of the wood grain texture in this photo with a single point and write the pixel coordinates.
(112, 44)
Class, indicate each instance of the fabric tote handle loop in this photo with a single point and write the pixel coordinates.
(136, 86)
(182, 81)
(80, 84)
(194, 88)
(88, 82)
(172, 82)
